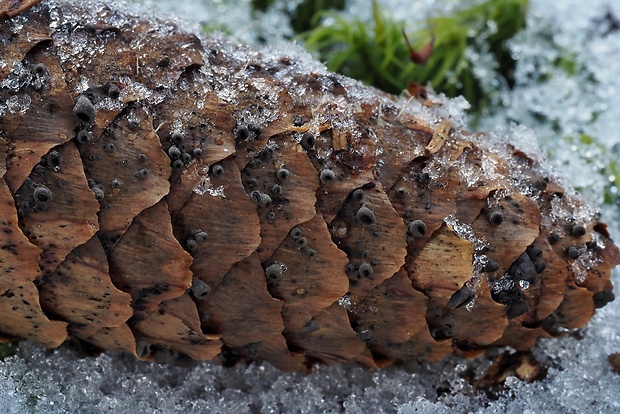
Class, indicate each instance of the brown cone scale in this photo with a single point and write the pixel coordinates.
(163, 192)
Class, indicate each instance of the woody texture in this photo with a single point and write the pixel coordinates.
(165, 192)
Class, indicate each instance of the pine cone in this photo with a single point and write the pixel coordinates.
(164, 192)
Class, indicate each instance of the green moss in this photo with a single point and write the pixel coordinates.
(610, 168)
(6, 350)
(262, 5)
(303, 18)
(378, 55)
(215, 27)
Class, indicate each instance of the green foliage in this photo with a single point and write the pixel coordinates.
(303, 18)
(379, 55)
(215, 27)
(610, 167)
(262, 5)
(6, 350)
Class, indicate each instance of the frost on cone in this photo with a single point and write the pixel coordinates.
(162, 192)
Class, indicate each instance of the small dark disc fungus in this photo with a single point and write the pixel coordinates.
(443, 328)
(177, 138)
(601, 299)
(164, 63)
(296, 232)
(84, 136)
(496, 218)
(540, 266)
(256, 130)
(191, 245)
(327, 176)
(276, 189)
(200, 236)
(534, 252)
(174, 152)
(265, 200)
(523, 269)
(572, 252)
(491, 266)
(260, 199)
(113, 91)
(365, 270)
(53, 160)
(40, 69)
(416, 228)
(424, 178)
(99, 193)
(200, 289)
(242, 134)
(307, 140)
(365, 215)
(274, 272)
(358, 195)
(42, 195)
(578, 230)
(540, 185)
(84, 111)
(461, 297)
(283, 174)
(217, 170)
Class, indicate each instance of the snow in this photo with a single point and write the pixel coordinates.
(555, 109)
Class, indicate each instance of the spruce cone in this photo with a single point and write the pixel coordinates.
(167, 192)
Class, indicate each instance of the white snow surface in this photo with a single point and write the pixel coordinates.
(559, 108)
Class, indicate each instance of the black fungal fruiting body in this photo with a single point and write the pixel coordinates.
(307, 140)
(228, 203)
(461, 297)
(578, 230)
(496, 217)
(217, 170)
(358, 195)
(84, 111)
(365, 215)
(200, 290)
(296, 232)
(365, 270)
(174, 152)
(84, 136)
(327, 176)
(274, 272)
(416, 228)
(42, 195)
(282, 174)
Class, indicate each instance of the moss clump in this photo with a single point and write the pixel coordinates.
(378, 54)
(6, 350)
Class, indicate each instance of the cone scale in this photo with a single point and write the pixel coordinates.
(169, 192)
